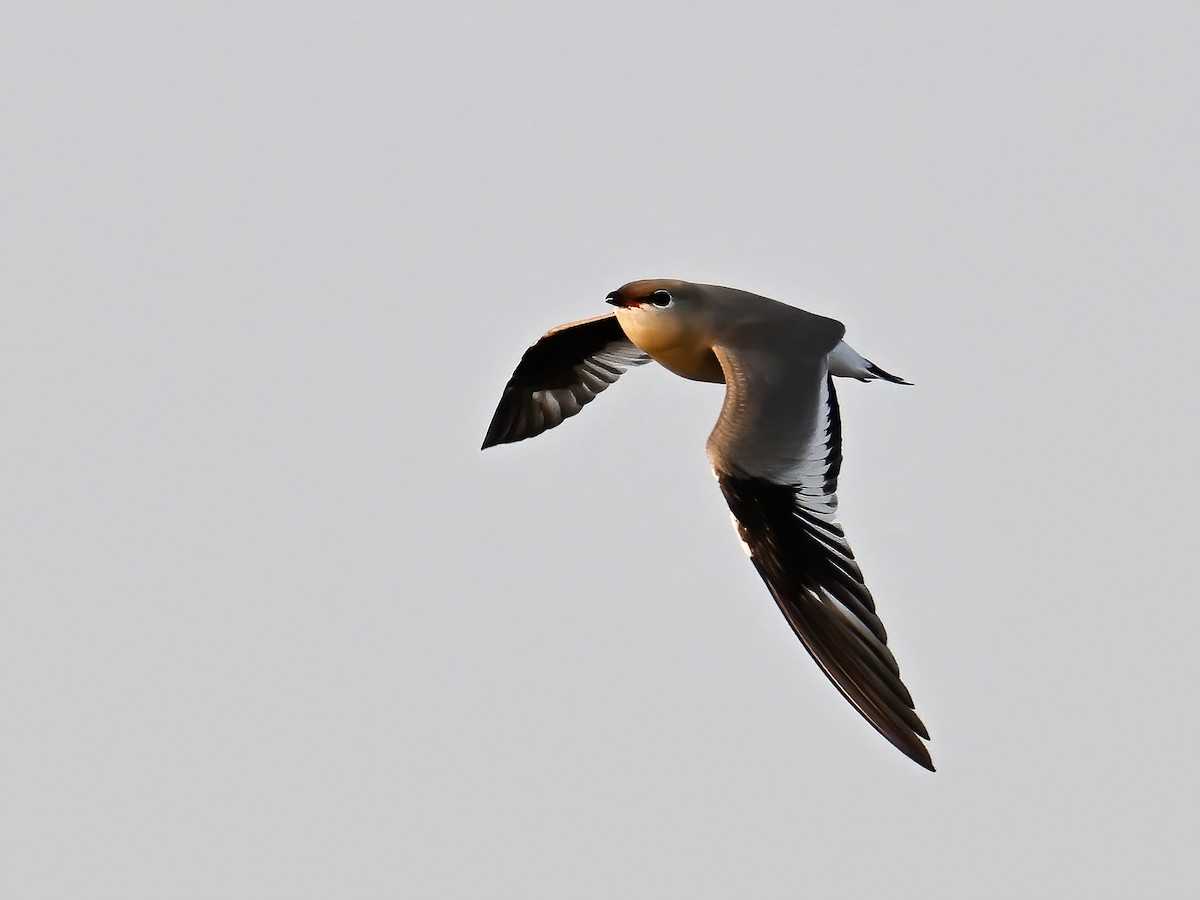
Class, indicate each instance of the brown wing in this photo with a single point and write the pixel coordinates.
(559, 375)
(787, 523)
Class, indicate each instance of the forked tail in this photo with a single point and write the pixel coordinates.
(845, 362)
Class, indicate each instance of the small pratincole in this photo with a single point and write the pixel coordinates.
(776, 450)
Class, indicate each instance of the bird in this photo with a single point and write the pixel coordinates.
(775, 450)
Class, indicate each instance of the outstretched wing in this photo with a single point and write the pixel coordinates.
(776, 451)
(559, 375)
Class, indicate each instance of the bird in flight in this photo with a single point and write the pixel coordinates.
(776, 450)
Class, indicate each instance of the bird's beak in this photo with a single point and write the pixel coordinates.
(614, 299)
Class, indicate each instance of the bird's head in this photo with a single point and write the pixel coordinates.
(653, 293)
(660, 313)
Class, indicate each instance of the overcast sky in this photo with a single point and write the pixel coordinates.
(271, 625)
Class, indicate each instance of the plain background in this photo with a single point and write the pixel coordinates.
(273, 627)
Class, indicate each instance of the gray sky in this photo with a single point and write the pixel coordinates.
(271, 625)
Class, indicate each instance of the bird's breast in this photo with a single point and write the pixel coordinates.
(698, 364)
(671, 344)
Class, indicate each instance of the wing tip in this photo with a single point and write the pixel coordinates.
(496, 433)
(497, 436)
(922, 759)
(911, 744)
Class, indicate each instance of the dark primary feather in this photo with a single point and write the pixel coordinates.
(886, 376)
(803, 557)
(559, 375)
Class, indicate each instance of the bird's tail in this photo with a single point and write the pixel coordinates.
(845, 362)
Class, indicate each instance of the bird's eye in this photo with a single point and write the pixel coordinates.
(661, 299)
